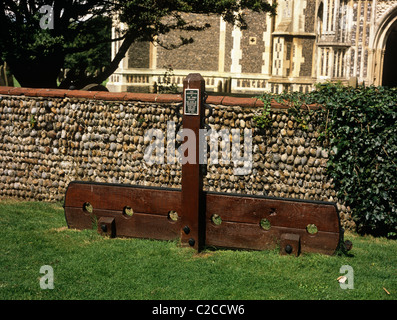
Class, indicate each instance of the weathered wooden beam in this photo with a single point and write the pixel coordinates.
(139, 212)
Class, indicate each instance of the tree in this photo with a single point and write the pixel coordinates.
(39, 38)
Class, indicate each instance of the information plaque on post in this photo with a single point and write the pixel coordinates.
(191, 102)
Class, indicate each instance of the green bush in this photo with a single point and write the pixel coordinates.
(360, 124)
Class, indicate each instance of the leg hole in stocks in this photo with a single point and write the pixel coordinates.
(127, 211)
(265, 224)
(87, 207)
(311, 229)
(173, 216)
(216, 219)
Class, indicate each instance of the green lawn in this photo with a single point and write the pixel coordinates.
(88, 266)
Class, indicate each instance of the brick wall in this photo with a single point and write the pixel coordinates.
(252, 43)
(202, 54)
(139, 55)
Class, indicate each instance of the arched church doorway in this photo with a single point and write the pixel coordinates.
(383, 62)
(389, 78)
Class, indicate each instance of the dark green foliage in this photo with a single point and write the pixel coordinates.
(78, 40)
(360, 124)
(264, 120)
(363, 136)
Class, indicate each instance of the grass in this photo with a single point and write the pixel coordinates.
(88, 266)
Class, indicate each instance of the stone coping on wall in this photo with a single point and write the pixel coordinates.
(128, 96)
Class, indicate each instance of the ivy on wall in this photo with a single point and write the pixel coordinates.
(360, 124)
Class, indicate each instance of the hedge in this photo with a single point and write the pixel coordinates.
(360, 125)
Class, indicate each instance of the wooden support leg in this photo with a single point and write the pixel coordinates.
(106, 226)
(290, 244)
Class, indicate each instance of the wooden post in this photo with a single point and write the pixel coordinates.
(193, 202)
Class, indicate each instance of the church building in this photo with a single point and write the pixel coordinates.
(307, 42)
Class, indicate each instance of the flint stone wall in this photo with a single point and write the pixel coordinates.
(49, 138)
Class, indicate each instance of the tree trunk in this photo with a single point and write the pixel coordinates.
(128, 41)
